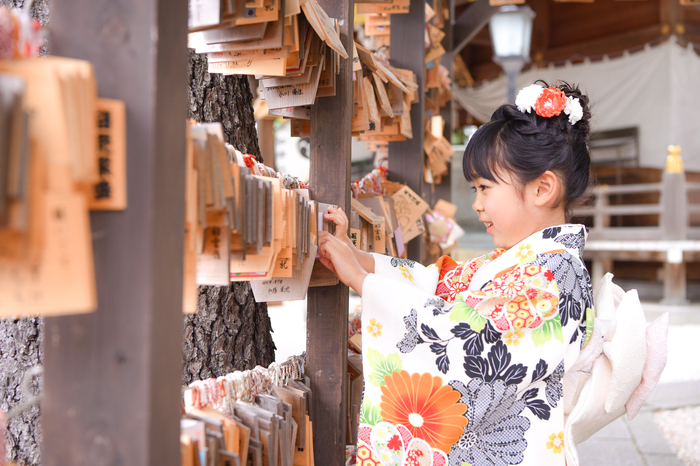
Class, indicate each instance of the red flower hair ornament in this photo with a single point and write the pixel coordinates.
(548, 102)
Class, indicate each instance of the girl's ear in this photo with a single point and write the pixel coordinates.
(547, 190)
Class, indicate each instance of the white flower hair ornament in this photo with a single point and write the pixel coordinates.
(548, 102)
(573, 109)
(527, 97)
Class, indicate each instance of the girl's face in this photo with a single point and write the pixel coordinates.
(505, 211)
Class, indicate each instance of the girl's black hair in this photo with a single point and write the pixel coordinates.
(525, 145)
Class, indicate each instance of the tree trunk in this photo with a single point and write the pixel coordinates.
(230, 330)
(21, 348)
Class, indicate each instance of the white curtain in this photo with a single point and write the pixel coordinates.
(656, 90)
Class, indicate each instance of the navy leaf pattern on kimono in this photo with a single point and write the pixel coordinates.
(555, 390)
(540, 370)
(429, 333)
(473, 344)
(573, 240)
(496, 367)
(411, 338)
(539, 408)
(575, 291)
(474, 341)
(495, 434)
(552, 232)
(438, 305)
(396, 262)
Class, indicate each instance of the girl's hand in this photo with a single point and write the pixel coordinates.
(340, 258)
(338, 217)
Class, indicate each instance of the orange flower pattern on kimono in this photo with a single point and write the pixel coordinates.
(429, 409)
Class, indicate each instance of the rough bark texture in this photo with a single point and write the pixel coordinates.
(21, 347)
(230, 330)
(228, 99)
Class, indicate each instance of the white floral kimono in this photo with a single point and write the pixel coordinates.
(463, 362)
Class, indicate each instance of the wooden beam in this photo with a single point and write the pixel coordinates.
(604, 45)
(471, 21)
(670, 13)
(489, 70)
(540, 28)
(406, 157)
(327, 308)
(112, 378)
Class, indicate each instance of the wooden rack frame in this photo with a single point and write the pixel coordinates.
(112, 378)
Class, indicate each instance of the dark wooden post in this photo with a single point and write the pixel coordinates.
(112, 378)
(444, 189)
(327, 312)
(406, 157)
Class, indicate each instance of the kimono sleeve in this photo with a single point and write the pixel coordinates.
(407, 271)
(514, 329)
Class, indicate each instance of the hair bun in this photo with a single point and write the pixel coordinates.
(582, 126)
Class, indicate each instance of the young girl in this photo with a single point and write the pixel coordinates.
(463, 362)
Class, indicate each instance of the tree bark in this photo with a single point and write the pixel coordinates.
(21, 348)
(230, 331)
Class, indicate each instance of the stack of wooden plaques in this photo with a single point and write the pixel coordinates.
(388, 7)
(377, 20)
(438, 150)
(382, 100)
(437, 78)
(296, 56)
(243, 224)
(270, 428)
(384, 224)
(65, 159)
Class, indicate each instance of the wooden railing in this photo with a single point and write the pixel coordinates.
(674, 211)
(673, 240)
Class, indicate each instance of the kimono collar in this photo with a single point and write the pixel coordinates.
(569, 237)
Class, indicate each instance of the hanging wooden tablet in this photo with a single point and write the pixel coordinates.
(409, 207)
(324, 26)
(299, 113)
(295, 94)
(203, 14)
(273, 37)
(231, 34)
(213, 262)
(63, 280)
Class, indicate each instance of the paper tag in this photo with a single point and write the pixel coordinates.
(286, 289)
